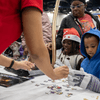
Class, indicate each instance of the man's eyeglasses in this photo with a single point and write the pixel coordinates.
(78, 6)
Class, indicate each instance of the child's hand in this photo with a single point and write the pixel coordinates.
(26, 65)
(64, 51)
(49, 46)
(79, 78)
(25, 51)
(61, 72)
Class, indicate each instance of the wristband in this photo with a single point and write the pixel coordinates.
(11, 64)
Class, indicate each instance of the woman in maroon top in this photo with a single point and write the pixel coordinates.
(16, 15)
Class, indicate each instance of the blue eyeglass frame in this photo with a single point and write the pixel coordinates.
(78, 6)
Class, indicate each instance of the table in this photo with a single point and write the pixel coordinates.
(36, 89)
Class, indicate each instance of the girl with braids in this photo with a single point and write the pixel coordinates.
(69, 54)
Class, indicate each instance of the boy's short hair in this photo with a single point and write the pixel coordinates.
(88, 35)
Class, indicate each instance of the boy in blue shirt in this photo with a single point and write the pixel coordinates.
(89, 78)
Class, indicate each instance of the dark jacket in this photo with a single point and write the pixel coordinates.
(69, 22)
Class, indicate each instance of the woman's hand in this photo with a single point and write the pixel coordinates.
(61, 72)
(26, 65)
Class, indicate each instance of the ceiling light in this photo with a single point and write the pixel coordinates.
(87, 0)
